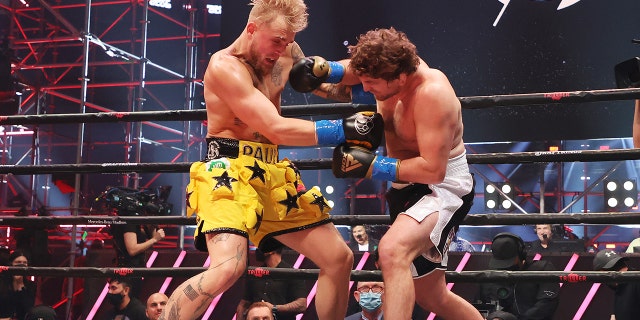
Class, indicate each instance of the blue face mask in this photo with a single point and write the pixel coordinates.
(370, 301)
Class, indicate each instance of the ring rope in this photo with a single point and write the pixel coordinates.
(473, 102)
(471, 219)
(325, 163)
(357, 275)
(478, 102)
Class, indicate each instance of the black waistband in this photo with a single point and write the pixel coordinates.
(232, 148)
(221, 147)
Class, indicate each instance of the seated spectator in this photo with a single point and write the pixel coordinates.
(360, 240)
(155, 305)
(286, 297)
(370, 297)
(124, 306)
(17, 292)
(544, 243)
(259, 311)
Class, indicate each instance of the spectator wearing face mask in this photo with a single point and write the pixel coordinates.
(124, 306)
(369, 297)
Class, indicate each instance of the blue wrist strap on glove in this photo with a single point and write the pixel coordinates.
(336, 72)
(330, 132)
(359, 96)
(384, 168)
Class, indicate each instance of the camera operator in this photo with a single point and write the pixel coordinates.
(131, 241)
(524, 299)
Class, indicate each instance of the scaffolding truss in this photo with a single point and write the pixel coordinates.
(102, 56)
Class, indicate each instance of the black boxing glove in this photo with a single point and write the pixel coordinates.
(308, 73)
(363, 129)
(354, 162)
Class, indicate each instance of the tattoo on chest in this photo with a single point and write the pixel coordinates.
(276, 74)
(257, 135)
(237, 122)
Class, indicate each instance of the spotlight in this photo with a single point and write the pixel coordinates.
(495, 200)
(620, 194)
(329, 190)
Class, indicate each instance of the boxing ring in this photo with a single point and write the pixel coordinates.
(459, 273)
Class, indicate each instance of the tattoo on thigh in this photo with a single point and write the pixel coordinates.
(190, 293)
(220, 237)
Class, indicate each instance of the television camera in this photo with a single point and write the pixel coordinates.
(132, 202)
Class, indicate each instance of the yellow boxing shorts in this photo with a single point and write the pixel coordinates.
(242, 188)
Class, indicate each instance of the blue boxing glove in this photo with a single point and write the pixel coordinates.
(308, 73)
(363, 129)
(354, 162)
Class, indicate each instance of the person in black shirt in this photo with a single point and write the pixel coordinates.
(544, 243)
(130, 242)
(125, 307)
(626, 294)
(287, 298)
(524, 299)
(361, 240)
(17, 292)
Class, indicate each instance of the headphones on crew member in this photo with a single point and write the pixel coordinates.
(522, 250)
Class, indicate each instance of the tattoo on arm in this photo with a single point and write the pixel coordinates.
(172, 313)
(334, 91)
(296, 52)
(190, 293)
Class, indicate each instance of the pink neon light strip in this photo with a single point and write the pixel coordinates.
(361, 263)
(460, 267)
(215, 301)
(570, 264)
(312, 293)
(176, 264)
(298, 261)
(586, 301)
(96, 306)
(152, 259)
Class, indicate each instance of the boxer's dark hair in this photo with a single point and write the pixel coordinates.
(384, 54)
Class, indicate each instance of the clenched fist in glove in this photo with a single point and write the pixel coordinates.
(355, 162)
(363, 129)
(308, 73)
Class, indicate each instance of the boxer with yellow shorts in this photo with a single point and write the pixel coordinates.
(242, 188)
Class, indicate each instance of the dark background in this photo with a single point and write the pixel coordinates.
(534, 47)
